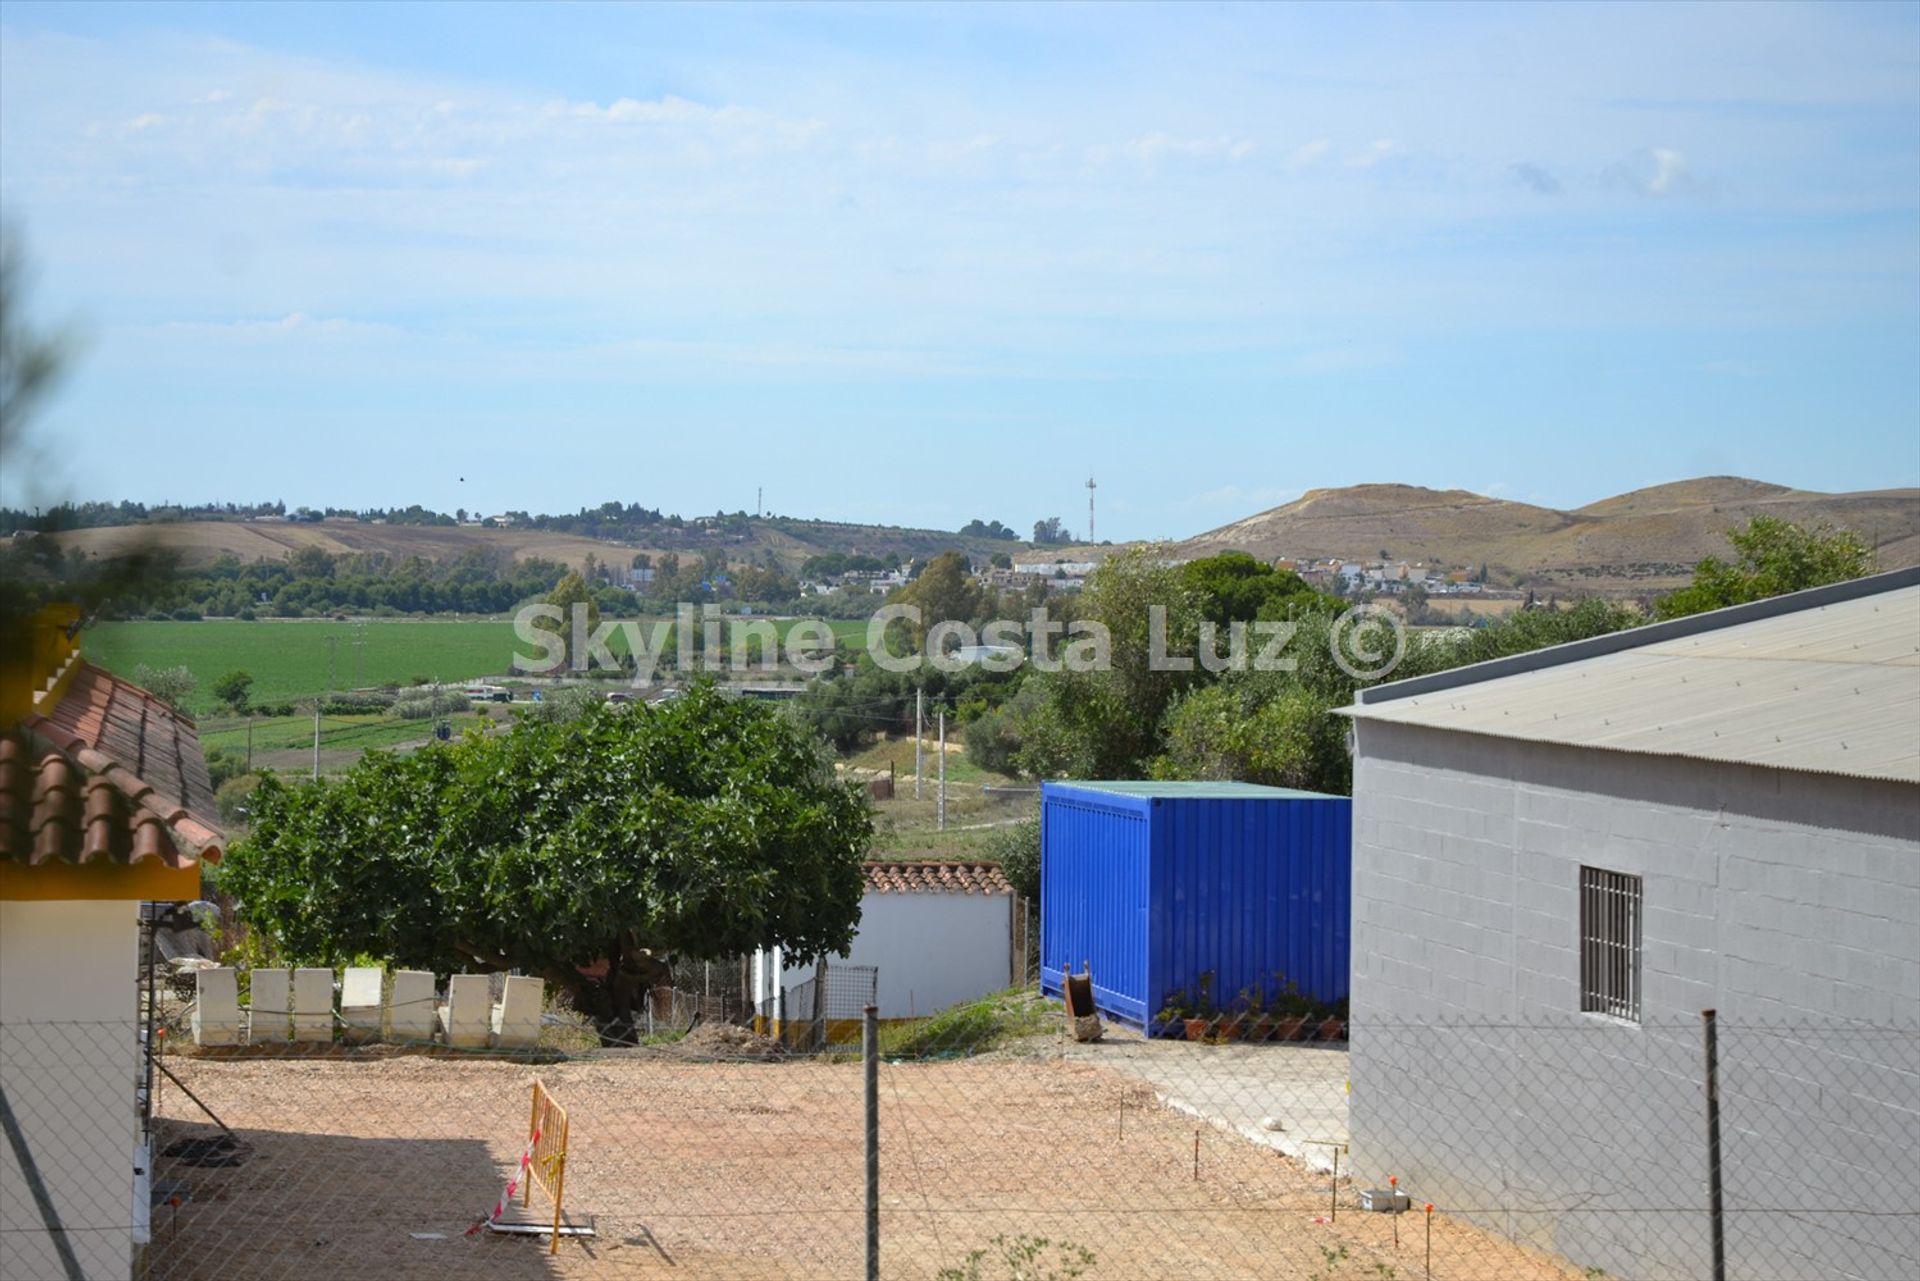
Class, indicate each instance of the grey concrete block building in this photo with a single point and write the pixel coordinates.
(1562, 858)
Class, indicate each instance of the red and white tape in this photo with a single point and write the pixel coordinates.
(513, 1186)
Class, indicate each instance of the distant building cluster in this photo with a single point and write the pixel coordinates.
(1329, 574)
(1387, 577)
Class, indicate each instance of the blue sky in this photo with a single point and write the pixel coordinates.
(921, 264)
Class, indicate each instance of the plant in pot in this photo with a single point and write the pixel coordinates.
(1258, 1024)
(1290, 1011)
(1333, 1021)
(1201, 1016)
(1175, 1011)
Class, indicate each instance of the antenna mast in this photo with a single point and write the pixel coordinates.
(1090, 489)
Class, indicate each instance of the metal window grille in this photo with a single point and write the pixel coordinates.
(1610, 943)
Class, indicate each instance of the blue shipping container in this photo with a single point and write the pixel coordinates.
(1157, 884)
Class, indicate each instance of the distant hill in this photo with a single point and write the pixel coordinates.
(1648, 539)
(201, 542)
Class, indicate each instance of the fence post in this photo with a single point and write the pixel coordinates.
(1709, 1028)
(1026, 946)
(870, 1060)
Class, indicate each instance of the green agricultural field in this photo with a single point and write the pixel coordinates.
(292, 658)
(278, 734)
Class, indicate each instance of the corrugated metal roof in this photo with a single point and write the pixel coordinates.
(1195, 789)
(1833, 688)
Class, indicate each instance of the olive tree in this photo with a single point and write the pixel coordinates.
(586, 851)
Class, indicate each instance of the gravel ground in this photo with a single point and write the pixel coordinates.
(696, 1170)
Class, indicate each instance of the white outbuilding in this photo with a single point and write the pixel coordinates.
(931, 936)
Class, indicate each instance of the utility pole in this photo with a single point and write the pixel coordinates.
(249, 742)
(943, 769)
(316, 740)
(333, 648)
(919, 738)
(1090, 489)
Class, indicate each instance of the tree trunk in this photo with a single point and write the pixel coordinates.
(616, 1001)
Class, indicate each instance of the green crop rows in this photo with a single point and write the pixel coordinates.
(293, 659)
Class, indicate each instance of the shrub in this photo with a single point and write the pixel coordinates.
(413, 706)
(231, 796)
(171, 685)
(1017, 850)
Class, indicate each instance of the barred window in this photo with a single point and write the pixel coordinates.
(1610, 943)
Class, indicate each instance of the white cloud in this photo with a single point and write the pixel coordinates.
(294, 326)
(673, 111)
(1308, 154)
(1156, 146)
(1654, 171)
(1373, 153)
(666, 110)
(953, 155)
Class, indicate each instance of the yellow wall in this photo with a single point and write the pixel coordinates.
(148, 880)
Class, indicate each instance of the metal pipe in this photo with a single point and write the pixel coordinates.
(1709, 1026)
(168, 1072)
(870, 1061)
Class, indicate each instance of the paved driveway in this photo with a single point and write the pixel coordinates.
(1290, 1097)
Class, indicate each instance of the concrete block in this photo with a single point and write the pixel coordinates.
(410, 1008)
(465, 1020)
(313, 1005)
(516, 1020)
(216, 1007)
(270, 1007)
(360, 1005)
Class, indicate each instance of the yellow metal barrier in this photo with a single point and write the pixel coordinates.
(547, 1134)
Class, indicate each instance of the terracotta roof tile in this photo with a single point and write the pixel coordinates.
(936, 878)
(111, 773)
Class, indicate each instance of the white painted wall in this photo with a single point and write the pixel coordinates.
(69, 1062)
(932, 950)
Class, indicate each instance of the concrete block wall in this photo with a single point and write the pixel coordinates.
(1778, 898)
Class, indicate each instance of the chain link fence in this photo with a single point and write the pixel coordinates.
(1005, 1149)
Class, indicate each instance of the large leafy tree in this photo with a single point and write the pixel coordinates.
(944, 592)
(571, 590)
(1234, 587)
(1773, 557)
(233, 688)
(1106, 723)
(704, 827)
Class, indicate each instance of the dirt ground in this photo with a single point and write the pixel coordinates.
(375, 1167)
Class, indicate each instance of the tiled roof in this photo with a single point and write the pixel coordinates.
(936, 878)
(111, 773)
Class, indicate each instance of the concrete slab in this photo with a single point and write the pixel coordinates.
(1244, 1088)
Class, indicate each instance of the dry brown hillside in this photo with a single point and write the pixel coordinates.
(1647, 539)
(201, 542)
